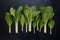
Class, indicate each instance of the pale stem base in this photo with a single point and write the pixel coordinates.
(30, 27)
(37, 27)
(45, 31)
(40, 30)
(50, 31)
(26, 27)
(22, 28)
(16, 27)
(9, 29)
(34, 31)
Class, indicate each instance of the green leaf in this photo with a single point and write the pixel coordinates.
(51, 24)
(30, 12)
(27, 12)
(49, 9)
(34, 11)
(22, 20)
(42, 8)
(34, 8)
(41, 25)
(19, 11)
(34, 24)
(47, 13)
(52, 15)
(12, 11)
(8, 19)
(37, 17)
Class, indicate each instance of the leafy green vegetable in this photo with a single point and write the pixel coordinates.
(34, 25)
(37, 21)
(30, 13)
(42, 8)
(27, 15)
(26, 26)
(9, 20)
(41, 25)
(19, 11)
(22, 21)
(46, 16)
(52, 15)
(31, 16)
(16, 16)
(51, 25)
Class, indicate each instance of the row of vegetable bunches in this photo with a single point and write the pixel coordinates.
(31, 16)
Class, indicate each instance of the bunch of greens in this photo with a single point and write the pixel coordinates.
(51, 25)
(9, 20)
(31, 17)
(37, 21)
(22, 21)
(41, 24)
(34, 25)
(30, 13)
(47, 13)
(16, 16)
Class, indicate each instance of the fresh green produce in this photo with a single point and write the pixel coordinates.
(34, 25)
(30, 13)
(51, 25)
(16, 16)
(41, 25)
(9, 20)
(30, 16)
(22, 21)
(26, 26)
(37, 21)
(42, 8)
(26, 13)
(46, 14)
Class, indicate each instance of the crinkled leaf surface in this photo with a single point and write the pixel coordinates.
(47, 13)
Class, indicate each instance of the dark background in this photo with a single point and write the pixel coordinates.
(6, 4)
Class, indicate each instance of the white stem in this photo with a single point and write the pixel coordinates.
(26, 27)
(37, 27)
(22, 28)
(45, 31)
(40, 30)
(50, 31)
(30, 26)
(34, 30)
(16, 27)
(9, 29)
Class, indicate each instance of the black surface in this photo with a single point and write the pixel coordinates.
(6, 4)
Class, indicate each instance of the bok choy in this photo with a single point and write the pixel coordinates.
(34, 25)
(16, 16)
(46, 16)
(41, 24)
(22, 21)
(51, 25)
(9, 20)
